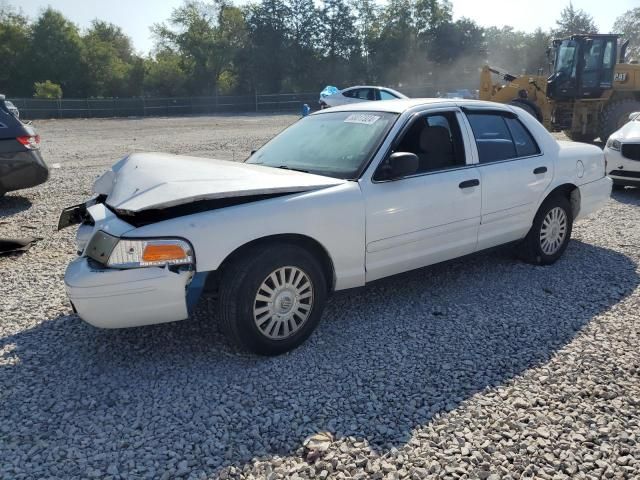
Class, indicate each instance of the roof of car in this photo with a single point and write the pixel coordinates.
(367, 86)
(402, 105)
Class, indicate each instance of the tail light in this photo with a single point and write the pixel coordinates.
(30, 141)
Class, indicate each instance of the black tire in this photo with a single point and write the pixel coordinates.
(531, 247)
(528, 106)
(615, 115)
(239, 286)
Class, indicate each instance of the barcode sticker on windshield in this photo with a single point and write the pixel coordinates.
(363, 118)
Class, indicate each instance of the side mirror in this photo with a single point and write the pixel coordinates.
(634, 115)
(399, 164)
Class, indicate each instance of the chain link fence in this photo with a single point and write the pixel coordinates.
(35, 108)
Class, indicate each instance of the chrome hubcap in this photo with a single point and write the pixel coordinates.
(553, 231)
(283, 302)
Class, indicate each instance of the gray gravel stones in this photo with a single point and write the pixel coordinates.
(480, 368)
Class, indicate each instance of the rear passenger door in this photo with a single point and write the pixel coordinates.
(514, 173)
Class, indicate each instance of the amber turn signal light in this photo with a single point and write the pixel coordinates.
(163, 253)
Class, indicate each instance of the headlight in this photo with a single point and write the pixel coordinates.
(614, 144)
(150, 253)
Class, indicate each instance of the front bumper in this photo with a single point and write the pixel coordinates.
(111, 298)
(622, 170)
(594, 196)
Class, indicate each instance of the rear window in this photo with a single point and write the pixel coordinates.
(499, 137)
(384, 95)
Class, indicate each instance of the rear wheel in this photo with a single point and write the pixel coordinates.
(272, 298)
(550, 233)
(615, 115)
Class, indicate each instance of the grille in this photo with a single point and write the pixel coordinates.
(624, 173)
(631, 151)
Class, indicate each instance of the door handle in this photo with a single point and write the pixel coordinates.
(540, 170)
(469, 183)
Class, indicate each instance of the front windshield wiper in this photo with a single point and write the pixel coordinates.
(287, 167)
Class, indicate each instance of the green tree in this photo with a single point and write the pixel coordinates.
(574, 21)
(506, 49)
(535, 50)
(395, 46)
(302, 28)
(47, 89)
(164, 75)
(339, 39)
(56, 53)
(208, 36)
(110, 61)
(459, 40)
(14, 49)
(431, 14)
(270, 40)
(629, 25)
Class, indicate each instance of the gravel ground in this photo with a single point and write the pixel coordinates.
(482, 368)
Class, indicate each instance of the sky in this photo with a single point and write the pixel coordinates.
(136, 16)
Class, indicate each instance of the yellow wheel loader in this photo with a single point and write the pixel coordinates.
(590, 93)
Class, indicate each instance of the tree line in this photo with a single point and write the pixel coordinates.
(214, 47)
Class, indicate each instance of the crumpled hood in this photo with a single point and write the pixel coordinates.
(145, 181)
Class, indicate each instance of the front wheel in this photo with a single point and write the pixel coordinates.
(550, 233)
(272, 298)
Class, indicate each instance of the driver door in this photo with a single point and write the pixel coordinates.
(432, 215)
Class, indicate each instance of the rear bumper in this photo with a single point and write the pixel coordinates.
(20, 170)
(594, 196)
(110, 298)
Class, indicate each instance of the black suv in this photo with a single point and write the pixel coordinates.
(21, 165)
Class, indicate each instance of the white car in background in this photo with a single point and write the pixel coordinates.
(359, 94)
(342, 197)
(623, 153)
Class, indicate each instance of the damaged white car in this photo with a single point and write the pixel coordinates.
(340, 198)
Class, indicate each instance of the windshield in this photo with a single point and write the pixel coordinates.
(334, 144)
(565, 61)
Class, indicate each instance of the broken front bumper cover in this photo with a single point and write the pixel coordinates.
(111, 298)
(78, 214)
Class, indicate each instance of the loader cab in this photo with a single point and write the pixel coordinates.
(583, 66)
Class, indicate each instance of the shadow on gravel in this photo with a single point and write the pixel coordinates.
(629, 195)
(13, 204)
(383, 362)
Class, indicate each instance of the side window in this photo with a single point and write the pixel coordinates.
(437, 141)
(349, 93)
(365, 94)
(608, 62)
(384, 95)
(492, 137)
(525, 144)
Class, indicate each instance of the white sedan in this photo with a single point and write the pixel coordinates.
(623, 153)
(359, 94)
(340, 198)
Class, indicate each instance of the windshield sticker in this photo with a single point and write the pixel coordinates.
(364, 118)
